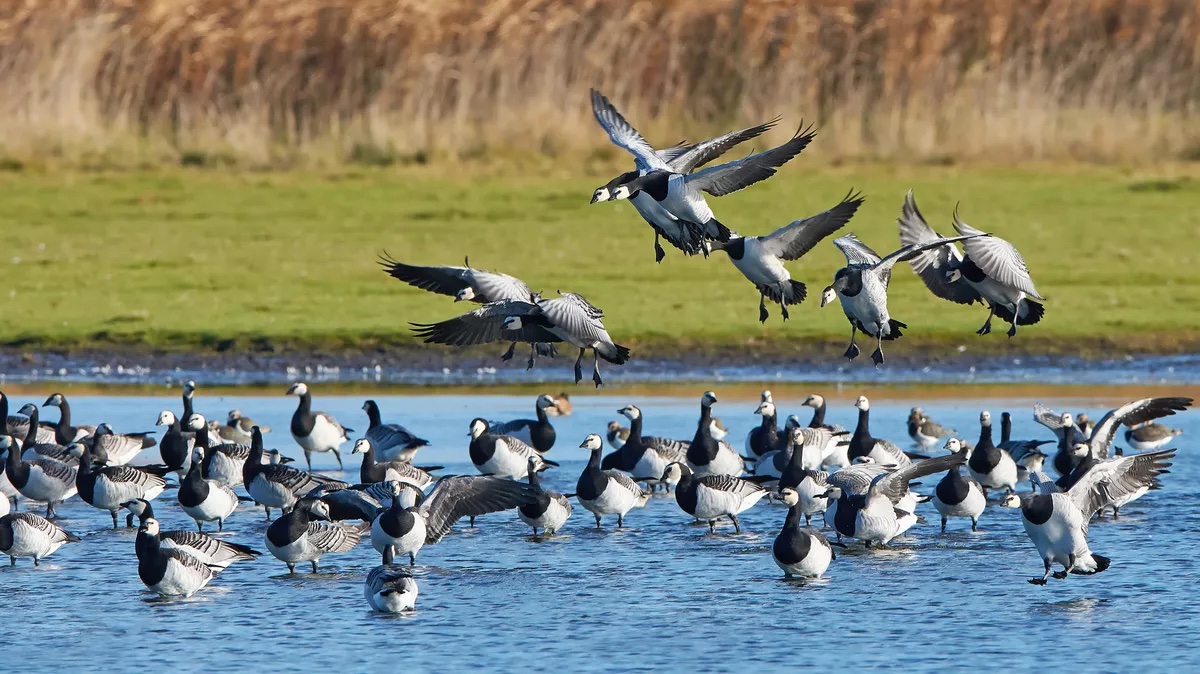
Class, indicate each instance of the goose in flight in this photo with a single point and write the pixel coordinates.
(687, 236)
(992, 272)
(862, 286)
(760, 258)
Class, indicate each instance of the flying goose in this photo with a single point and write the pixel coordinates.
(315, 431)
(711, 497)
(685, 235)
(606, 492)
(924, 431)
(1150, 436)
(392, 442)
(169, 572)
(537, 432)
(107, 487)
(1057, 522)
(119, 449)
(64, 432)
(277, 485)
(766, 436)
(645, 458)
(175, 448)
(373, 471)
(43, 480)
(862, 443)
(390, 588)
(548, 512)
(871, 515)
(407, 529)
(212, 552)
(800, 551)
(222, 461)
(958, 496)
(502, 455)
(992, 272)
(680, 193)
(28, 535)
(296, 538)
(707, 455)
(203, 500)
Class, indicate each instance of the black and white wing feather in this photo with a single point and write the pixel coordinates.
(690, 157)
(334, 537)
(794, 240)
(736, 175)
(895, 485)
(1130, 414)
(933, 265)
(1112, 481)
(486, 325)
(997, 258)
(461, 496)
(623, 135)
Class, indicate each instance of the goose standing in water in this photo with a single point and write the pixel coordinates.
(32, 448)
(390, 588)
(373, 471)
(992, 272)
(862, 443)
(502, 455)
(276, 485)
(64, 432)
(119, 449)
(1057, 522)
(925, 431)
(18, 427)
(222, 462)
(711, 497)
(990, 465)
(606, 492)
(800, 550)
(1150, 436)
(1024, 452)
(201, 499)
(304, 534)
(406, 530)
(29, 535)
(175, 448)
(818, 405)
(958, 496)
(707, 455)
(685, 235)
(169, 572)
(537, 432)
(107, 487)
(212, 552)
(392, 442)
(548, 512)
(644, 457)
(316, 431)
(811, 486)
(760, 258)
(1066, 430)
(766, 436)
(42, 480)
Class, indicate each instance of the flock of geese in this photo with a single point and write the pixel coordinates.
(667, 189)
(861, 486)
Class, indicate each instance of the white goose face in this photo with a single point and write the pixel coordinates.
(196, 422)
(793, 421)
(320, 509)
(953, 445)
(864, 459)
(189, 387)
(1067, 419)
(631, 412)
(862, 403)
(397, 487)
(797, 436)
(478, 428)
(234, 415)
(545, 401)
(361, 446)
(150, 526)
(54, 400)
(601, 194)
(591, 442)
(828, 296)
(985, 418)
(708, 399)
(766, 409)
(789, 496)
(197, 454)
(1011, 501)
(512, 323)
(673, 473)
(1081, 449)
(298, 389)
(621, 193)
(465, 295)
(165, 418)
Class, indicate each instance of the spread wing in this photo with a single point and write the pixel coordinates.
(796, 239)
(1114, 480)
(856, 479)
(623, 135)
(856, 252)
(486, 325)
(469, 495)
(997, 258)
(1053, 420)
(440, 280)
(386, 436)
(933, 265)
(895, 485)
(691, 157)
(736, 175)
(1129, 414)
(576, 316)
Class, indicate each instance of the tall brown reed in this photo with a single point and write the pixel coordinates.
(265, 80)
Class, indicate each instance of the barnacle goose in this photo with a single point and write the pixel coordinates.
(390, 588)
(204, 500)
(800, 550)
(169, 572)
(502, 455)
(549, 511)
(213, 552)
(392, 442)
(300, 535)
(537, 432)
(64, 432)
(606, 492)
(43, 480)
(644, 457)
(315, 431)
(924, 431)
(959, 496)
(711, 497)
(706, 455)
(277, 485)
(862, 443)
(28, 535)
(107, 487)
(372, 471)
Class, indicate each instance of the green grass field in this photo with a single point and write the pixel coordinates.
(204, 258)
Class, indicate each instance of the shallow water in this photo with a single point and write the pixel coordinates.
(660, 594)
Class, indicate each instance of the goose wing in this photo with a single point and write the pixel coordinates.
(470, 495)
(441, 280)
(127, 483)
(494, 287)
(1053, 420)
(333, 537)
(623, 135)
(625, 482)
(856, 252)
(55, 533)
(736, 175)
(486, 325)
(299, 482)
(796, 239)
(386, 436)
(933, 264)
(894, 485)
(55, 469)
(207, 549)
(1130, 414)
(668, 448)
(385, 575)
(1111, 481)
(577, 317)
(507, 427)
(997, 258)
(856, 479)
(728, 483)
(190, 563)
(687, 158)
(118, 448)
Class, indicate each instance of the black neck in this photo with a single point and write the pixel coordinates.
(818, 418)
(31, 434)
(64, 416)
(793, 517)
(1005, 429)
(594, 459)
(373, 414)
(635, 429)
(864, 424)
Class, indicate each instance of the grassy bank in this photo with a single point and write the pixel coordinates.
(196, 259)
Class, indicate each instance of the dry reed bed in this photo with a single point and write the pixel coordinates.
(264, 80)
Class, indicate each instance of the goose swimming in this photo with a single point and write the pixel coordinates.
(958, 496)
(606, 492)
(107, 487)
(711, 497)
(925, 431)
(392, 442)
(760, 258)
(992, 272)
(537, 432)
(502, 455)
(706, 455)
(170, 572)
(28, 535)
(390, 588)
(42, 480)
(548, 512)
(300, 535)
(316, 432)
(800, 551)
(645, 458)
(212, 552)
(277, 485)
(373, 471)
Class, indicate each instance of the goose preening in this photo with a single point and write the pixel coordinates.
(549, 510)
(867, 506)
(861, 288)
(606, 492)
(502, 455)
(407, 529)
(616, 435)
(373, 471)
(222, 461)
(390, 588)
(959, 496)
(992, 272)
(64, 432)
(924, 431)
(315, 432)
(711, 497)
(760, 258)
(392, 442)
(1149, 436)
(175, 447)
(106, 487)
(800, 550)
(862, 443)
(537, 432)
(990, 465)
(1057, 522)
(212, 552)
(169, 572)
(303, 534)
(707, 455)
(645, 458)
(28, 535)
(277, 485)
(203, 500)
(688, 236)
(42, 480)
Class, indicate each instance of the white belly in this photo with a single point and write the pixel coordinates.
(107, 495)
(1003, 476)
(972, 506)
(812, 497)
(295, 552)
(1059, 537)
(551, 520)
(505, 463)
(870, 314)
(838, 456)
(30, 542)
(180, 581)
(614, 500)
(270, 494)
(726, 462)
(6, 485)
(651, 466)
(217, 506)
(325, 437)
(876, 523)
(45, 489)
(998, 293)
(761, 268)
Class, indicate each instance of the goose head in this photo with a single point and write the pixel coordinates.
(55, 400)
(165, 418)
(862, 403)
(674, 472)
(796, 436)
(765, 397)
(28, 409)
(189, 388)
(708, 399)
(792, 422)
(766, 408)
(1011, 501)
(465, 295)
(150, 526)
(275, 458)
(1081, 449)
(985, 419)
(197, 455)
(298, 389)
(1067, 419)
(863, 460)
(789, 496)
(234, 416)
(196, 422)
(138, 507)
(478, 427)
(953, 445)
(602, 193)
(631, 412)
(512, 323)
(361, 446)
(814, 401)
(828, 295)
(592, 442)
(545, 400)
